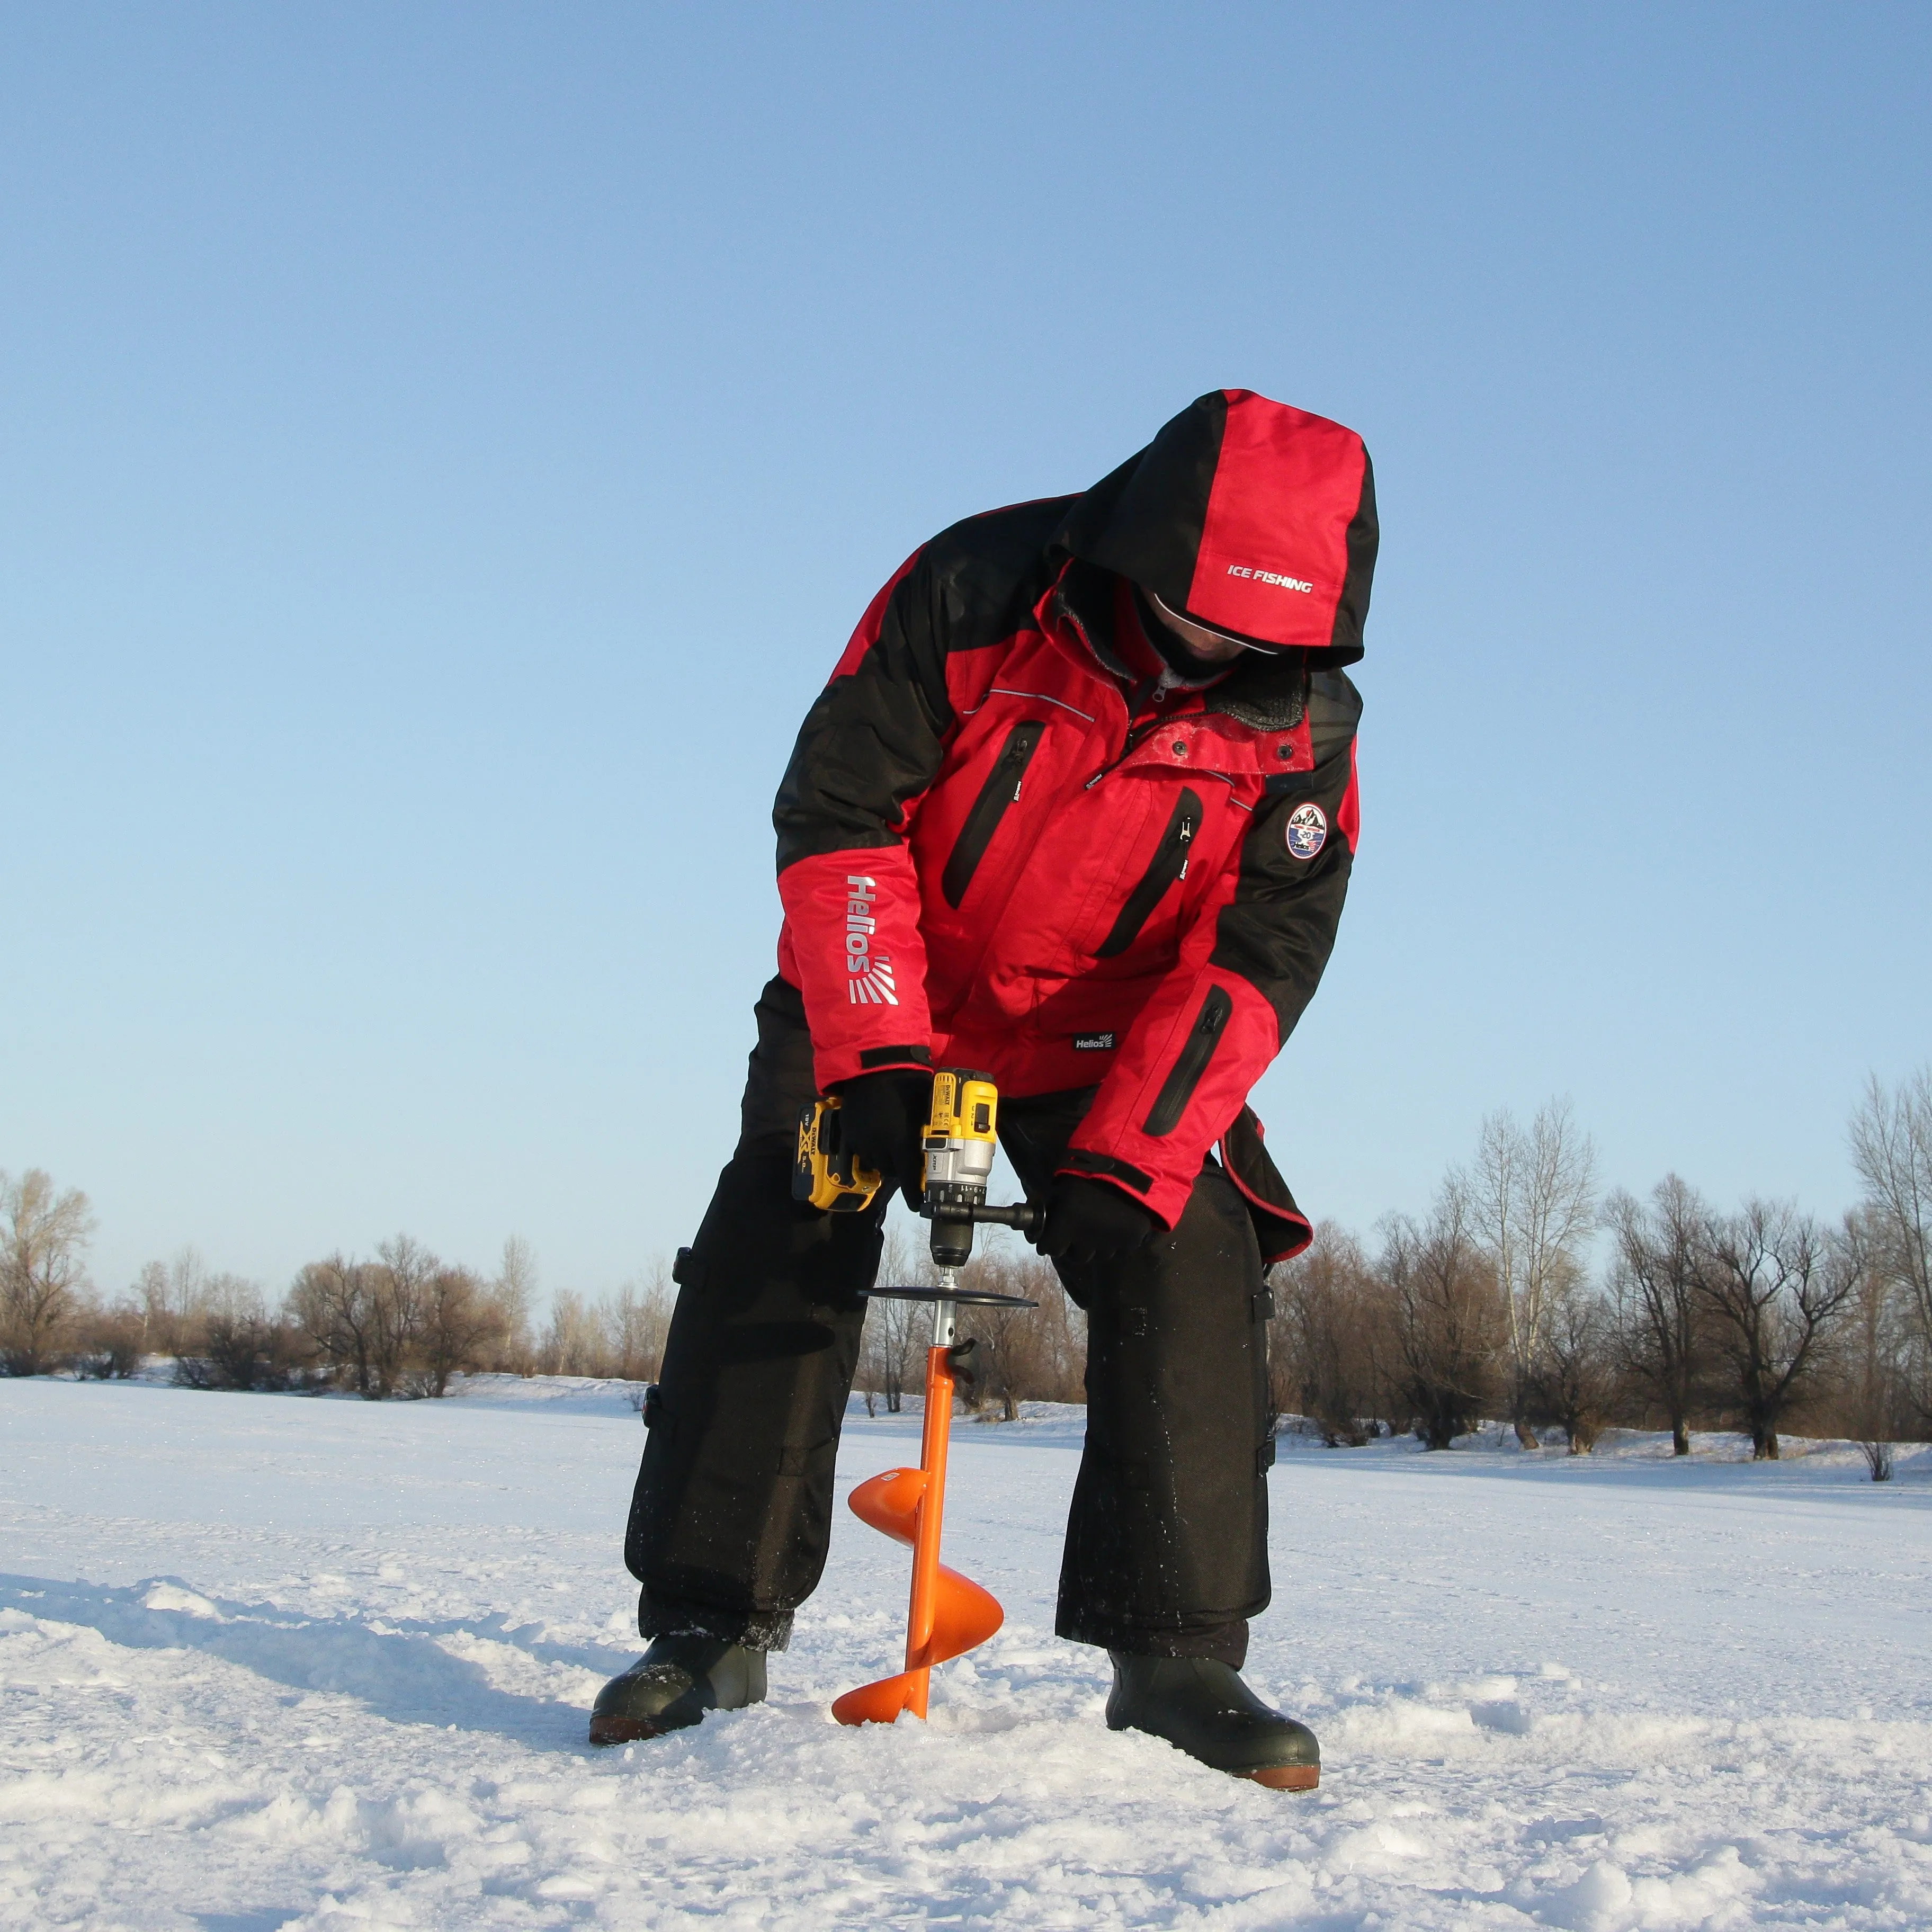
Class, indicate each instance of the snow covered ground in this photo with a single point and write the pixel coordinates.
(268, 1662)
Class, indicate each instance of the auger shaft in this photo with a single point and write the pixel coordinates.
(935, 1438)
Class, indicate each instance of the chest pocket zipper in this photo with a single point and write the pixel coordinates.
(1169, 864)
(1001, 788)
(1178, 1088)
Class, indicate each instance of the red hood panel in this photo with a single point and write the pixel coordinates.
(1249, 515)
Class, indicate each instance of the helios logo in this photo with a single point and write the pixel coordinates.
(871, 981)
(1273, 577)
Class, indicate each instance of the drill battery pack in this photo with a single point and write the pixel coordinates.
(825, 1171)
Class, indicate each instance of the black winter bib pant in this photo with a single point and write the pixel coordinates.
(1166, 1551)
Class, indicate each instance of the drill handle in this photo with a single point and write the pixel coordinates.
(1022, 1215)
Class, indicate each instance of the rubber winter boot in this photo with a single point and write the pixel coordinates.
(672, 1686)
(1203, 1708)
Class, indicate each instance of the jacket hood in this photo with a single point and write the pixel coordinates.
(1247, 516)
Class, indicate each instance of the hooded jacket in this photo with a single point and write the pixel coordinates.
(1003, 843)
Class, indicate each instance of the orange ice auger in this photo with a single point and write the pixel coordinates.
(949, 1613)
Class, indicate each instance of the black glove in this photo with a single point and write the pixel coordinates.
(1088, 1221)
(882, 1119)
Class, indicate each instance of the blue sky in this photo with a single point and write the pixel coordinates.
(447, 446)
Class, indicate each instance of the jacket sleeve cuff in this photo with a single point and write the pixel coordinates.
(911, 1058)
(1164, 1199)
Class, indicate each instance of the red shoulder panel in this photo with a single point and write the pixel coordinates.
(1349, 813)
(867, 634)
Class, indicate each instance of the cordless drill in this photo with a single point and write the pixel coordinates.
(961, 1135)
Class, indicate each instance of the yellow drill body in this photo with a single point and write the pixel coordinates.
(959, 1142)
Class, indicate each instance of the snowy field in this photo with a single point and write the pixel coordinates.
(269, 1662)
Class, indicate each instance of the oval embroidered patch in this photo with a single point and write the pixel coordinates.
(1307, 830)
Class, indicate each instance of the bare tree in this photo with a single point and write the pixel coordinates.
(1532, 1205)
(401, 1324)
(1025, 1354)
(1875, 1346)
(573, 1341)
(241, 1345)
(1494, 1193)
(1446, 1308)
(895, 1331)
(1891, 1148)
(150, 1294)
(636, 1324)
(1658, 1309)
(1576, 1380)
(1054, 1366)
(108, 1342)
(1327, 1358)
(514, 1291)
(44, 1286)
(890, 1350)
(997, 1367)
(403, 1270)
(335, 1301)
(174, 1303)
(1774, 1287)
(457, 1322)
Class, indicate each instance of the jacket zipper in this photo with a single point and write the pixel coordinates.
(1178, 1088)
(1000, 790)
(1169, 863)
(1136, 733)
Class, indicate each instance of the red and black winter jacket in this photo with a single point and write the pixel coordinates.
(1002, 846)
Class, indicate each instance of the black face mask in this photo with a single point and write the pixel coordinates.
(1270, 694)
(1178, 658)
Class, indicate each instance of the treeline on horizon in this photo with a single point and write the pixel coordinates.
(402, 1325)
(1524, 1294)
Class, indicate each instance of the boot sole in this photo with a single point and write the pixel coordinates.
(1285, 1776)
(628, 1730)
